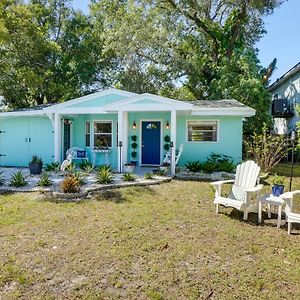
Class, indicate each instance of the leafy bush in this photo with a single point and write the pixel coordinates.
(36, 160)
(266, 149)
(18, 179)
(104, 176)
(134, 138)
(86, 166)
(2, 180)
(129, 177)
(70, 185)
(104, 167)
(194, 166)
(71, 168)
(161, 172)
(167, 138)
(134, 145)
(167, 147)
(79, 176)
(55, 167)
(44, 180)
(148, 176)
(218, 162)
(133, 154)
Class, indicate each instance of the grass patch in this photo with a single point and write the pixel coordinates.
(160, 242)
(285, 170)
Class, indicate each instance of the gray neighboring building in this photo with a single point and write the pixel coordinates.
(286, 95)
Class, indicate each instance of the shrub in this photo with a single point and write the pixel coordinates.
(167, 139)
(148, 176)
(167, 147)
(194, 166)
(134, 138)
(70, 185)
(55, 166)
(71, 168)
(36, 160)
(2, 180)
(18, 179)
(86, 166)
(104, 176)
(104, 167)
(266, 149)
(129, 177)
(218, 162)
(44, 180)
(79, 176)
(134, 145)
(161, 172)
(133, 154)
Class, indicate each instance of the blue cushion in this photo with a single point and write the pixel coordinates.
(81, 154)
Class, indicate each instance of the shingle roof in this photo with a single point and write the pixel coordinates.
(217, 104)
(33, 108)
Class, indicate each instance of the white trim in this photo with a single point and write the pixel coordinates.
(80, 110)
(202, 142)
(245, 112)
(140, 142)
(23, 113)
(112, 131)
(166, 102)
(86, 121)
(173, 139)
(90, 97)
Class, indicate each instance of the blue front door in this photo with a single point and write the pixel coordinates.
(150, 143)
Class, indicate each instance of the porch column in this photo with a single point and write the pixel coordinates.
(121, 140)
(173, 139)
(125, 137)
(57, 137)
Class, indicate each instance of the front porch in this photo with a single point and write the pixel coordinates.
(142, 140)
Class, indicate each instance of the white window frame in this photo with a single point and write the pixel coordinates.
(112, 131)
(202, 121)
(90, 134)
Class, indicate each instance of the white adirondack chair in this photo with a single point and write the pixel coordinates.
(167, 158)
(290, 216)
(244, 187)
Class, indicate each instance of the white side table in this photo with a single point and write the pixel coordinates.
(270, 200)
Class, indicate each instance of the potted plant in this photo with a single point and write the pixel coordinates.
(35, 165)
(128, 168)
(277, 187)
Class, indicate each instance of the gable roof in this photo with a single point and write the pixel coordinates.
(137, 102)
(294, 70)
(163, 102)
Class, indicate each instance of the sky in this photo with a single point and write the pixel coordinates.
(282, 40)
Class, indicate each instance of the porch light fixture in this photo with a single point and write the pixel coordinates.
(67, 122)
(167, 125)
(134, 125)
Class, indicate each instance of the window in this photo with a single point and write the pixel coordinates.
(88, 134)
(202, 131)
(102, 134)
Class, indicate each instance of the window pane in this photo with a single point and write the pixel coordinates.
(102, 127)
(202, 131)
(87, 127)
(87, 140)
(101, 140)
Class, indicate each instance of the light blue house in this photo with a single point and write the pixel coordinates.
(118, 127)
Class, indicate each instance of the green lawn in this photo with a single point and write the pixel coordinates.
(285, 170)
(163, 242)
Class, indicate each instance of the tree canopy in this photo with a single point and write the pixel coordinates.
(48, 53)
(185, 49)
